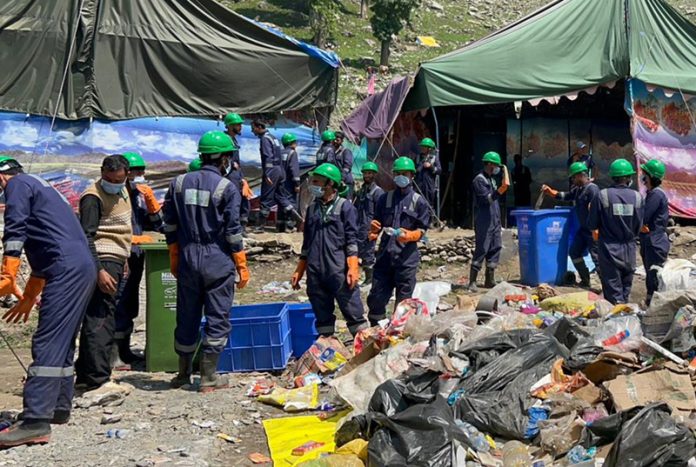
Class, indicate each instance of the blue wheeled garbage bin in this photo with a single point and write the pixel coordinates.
(543, 244)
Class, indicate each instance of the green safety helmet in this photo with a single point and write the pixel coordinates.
(370, 167)
(329, 171)
(404, 164)
(7, 163)
(135, 160)
(195, 165)
(343, 190)
(621, 168)
(492, 157)
(233, 119)
(328, 135)
(215, 142)
(576, 168)
(288, 138)
(654, 168)
(427, 143)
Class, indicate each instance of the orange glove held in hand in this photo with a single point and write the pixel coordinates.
(299, 272)
(353, 275)
(8, 277)
(240, 261)
(174, 258)
(409, 236)
(645, 229)
(22, 309)
(506, 181)
(549, 191)
(246, 191)
(151, 203)
(595, 235)
(140, 239)
(375, 228)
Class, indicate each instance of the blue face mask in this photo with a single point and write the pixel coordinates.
(316, 191)
(112, 188)
(140, 179)
(402, 181)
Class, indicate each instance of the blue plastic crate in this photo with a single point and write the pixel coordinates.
(302, 327)
(260, 339)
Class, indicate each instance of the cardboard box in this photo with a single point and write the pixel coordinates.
(642, 389)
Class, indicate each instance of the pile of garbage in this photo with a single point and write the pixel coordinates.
(268, 251)
(543, 379)
(459, 249)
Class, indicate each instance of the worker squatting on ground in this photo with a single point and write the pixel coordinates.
(654, 242)
(618, 215)
(365, 202)
(343, 159)
(105, 215)
(427, 170)
(583, 193)
(487, 225)
(291, 167)
(403, 216)
(204, 235)
(273, 178)
(325, 153)
(146, 216)
(233, 127)
(40, 221)
(330, 254)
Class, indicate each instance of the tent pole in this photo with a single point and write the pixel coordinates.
(437, 177)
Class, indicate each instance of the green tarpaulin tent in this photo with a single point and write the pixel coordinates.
(567, 46)
(122, 59)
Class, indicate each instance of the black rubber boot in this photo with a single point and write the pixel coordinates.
(185, 370)
(490, 278)
(60, 417)
(125, 353)
(473, 275)
(260, 225)
(584, 274)
(25, 432)
(210, 380)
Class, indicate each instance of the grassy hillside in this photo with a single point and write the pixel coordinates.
(453, 23)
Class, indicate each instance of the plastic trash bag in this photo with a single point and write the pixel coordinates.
(430, 293)
(293, 400)
(483, 351)
(681, 332)
(417, 386)
(652, 438)
(605, 430)
(621, 334)
(676, 274)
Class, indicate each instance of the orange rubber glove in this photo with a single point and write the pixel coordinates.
(174, 258)
(549, 191)
(151, 203)
(299, 272)
(595, 235)
(8, 277)
(22, 309)
(353, 275)
(375, 228)
(506, 181)
(240, 261)
(246, 191)
(645, 229)
(140, 239)
(409, 236)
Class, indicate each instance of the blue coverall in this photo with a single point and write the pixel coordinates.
(330, 237)
(273, 176)
(343, 159)
(397, 263)
(291, 168)
(365, 202)
(236, 175)
(128, 297)
(40, 221)
(426, 178)
(654, 245)
(487, 226)
(201, 214)
(583, 197)
(619, 216)
(325, 154)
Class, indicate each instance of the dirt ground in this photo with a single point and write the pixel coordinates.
(173, 427)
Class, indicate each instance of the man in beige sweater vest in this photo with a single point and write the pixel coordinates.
(105, 215)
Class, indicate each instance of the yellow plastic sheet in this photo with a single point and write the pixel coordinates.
(285, 434)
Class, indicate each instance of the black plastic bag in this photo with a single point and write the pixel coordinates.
(416, 386)
(652, 438)
(605, 430)
(483, 351)
(579, 342)
(358, 427)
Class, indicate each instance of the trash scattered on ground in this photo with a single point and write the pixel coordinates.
(276, 287)
(258, 458)
(110, 394)
(117, 433)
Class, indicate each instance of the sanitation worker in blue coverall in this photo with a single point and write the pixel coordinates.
(583, 193)
(618, 215)
(291, 167)
(427, 169)
(654, 242)
(40, 221)
(233, 125)
(403, 217)
(343, 159)
(146, 216)
(365, 202)
(326, 153)
(201, 215)
(330, 254)
(487, 225)
(272, 177)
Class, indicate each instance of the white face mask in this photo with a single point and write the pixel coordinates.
(316, 191)
(402, 181)
(496, 171)
(140, 179)
(112, 188)
(630, 183)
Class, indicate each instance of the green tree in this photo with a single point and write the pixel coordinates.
(388, 19)
(322, 20)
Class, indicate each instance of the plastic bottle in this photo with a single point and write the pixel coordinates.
(616, 338)
(392, 232)
(515, 454)
(478, 441)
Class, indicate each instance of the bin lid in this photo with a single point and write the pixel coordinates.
(541, 212)
(156, 246)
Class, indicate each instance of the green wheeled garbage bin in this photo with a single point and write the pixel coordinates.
(160, 309)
